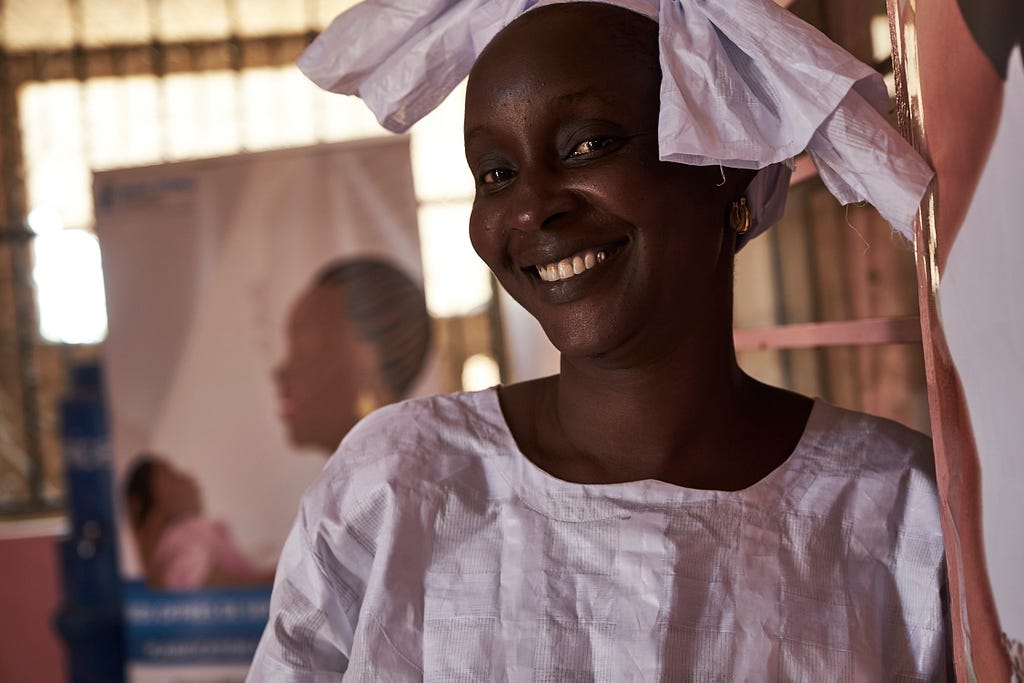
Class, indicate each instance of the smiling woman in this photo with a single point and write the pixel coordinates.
(651, 512)
(561, 156)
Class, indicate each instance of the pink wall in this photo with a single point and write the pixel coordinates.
(30, 649)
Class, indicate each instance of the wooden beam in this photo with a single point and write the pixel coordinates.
(906, 330)
(157, 58)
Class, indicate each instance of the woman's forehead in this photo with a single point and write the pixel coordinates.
(582, 41)
(580, 22)
(647, 8)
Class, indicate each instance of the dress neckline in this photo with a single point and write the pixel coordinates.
(539, 487)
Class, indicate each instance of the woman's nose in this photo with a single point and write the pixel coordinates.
(540, 198)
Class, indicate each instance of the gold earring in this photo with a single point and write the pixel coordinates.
(366, 403)
(739, 216)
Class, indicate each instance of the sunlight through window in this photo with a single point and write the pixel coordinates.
(69, 281)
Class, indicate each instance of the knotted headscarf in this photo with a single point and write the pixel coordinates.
(745, 84)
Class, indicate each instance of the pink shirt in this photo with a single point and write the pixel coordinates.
(191, 549)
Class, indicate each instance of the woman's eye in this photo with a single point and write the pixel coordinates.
(496, 175)
(590, 145)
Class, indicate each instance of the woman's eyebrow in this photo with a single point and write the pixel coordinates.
(578, 95)
(474, 132)
(556, 101)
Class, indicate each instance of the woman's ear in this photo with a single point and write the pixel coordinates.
(729, 186)
(730, 193)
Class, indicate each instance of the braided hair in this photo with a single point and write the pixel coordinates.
(388, 311)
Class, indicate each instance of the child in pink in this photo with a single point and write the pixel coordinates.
(180, 547)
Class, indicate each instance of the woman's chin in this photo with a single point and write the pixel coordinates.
(580, 341)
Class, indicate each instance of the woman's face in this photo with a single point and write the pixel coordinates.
(561, 136)
(324, 370)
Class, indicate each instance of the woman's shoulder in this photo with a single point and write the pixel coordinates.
(848, 438)
(398, 462)
(420, 440)
(863, 458)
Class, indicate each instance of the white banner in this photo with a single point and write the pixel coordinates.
(204, 264)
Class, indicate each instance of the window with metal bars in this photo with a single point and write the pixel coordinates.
(117, 83)
(826, 301)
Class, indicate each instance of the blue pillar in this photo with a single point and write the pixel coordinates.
(89, 619)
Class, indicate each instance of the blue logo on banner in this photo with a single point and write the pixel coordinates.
(207, 626)
(139, 192)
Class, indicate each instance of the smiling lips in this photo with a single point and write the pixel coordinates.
(572, 266)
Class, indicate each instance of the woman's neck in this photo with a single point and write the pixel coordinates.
(692, 419)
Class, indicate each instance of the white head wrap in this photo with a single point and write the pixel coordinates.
(744, 84)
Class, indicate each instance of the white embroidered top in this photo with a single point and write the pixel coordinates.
(432, 548)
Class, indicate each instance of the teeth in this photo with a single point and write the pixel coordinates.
(570, 267)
